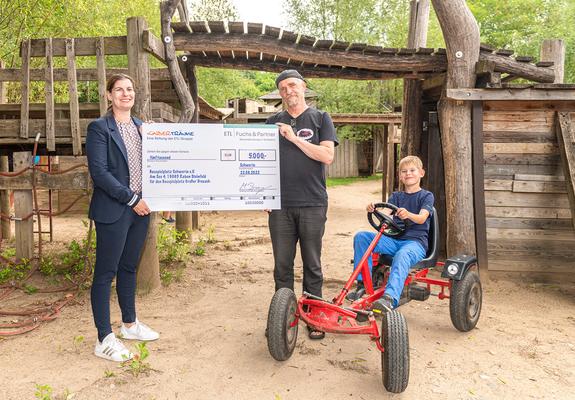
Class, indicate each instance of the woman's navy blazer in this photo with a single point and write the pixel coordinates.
(108, 166)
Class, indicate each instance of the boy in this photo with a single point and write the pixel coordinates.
(414, 204)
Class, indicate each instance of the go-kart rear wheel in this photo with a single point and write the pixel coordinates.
(395, 356)
(465, 301)
(282, 336)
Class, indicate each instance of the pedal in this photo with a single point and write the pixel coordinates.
(419, 293)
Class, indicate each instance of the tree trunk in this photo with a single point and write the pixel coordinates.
(167, 10)
(461, 34)
(412, 118)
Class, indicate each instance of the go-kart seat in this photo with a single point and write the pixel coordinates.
(432, 247)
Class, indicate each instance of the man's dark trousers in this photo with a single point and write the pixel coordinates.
(287, 227)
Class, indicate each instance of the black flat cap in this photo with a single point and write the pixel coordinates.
(288, 73)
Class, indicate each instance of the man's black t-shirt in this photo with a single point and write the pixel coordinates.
(302, 178)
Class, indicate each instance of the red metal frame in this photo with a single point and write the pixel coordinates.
(334, 318)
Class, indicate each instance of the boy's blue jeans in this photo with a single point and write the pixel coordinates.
(405, 253)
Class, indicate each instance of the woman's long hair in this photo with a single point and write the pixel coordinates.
(112, 81)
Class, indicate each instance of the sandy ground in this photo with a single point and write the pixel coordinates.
(212, 325)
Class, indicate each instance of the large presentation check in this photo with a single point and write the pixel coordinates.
(189, 167)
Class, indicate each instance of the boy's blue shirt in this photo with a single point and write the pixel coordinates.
(414, 203)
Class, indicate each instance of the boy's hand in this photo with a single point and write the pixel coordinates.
(402, 213)
(370, 208)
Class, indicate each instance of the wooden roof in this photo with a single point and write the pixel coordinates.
(240, 45)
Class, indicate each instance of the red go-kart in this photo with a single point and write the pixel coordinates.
(459, 283)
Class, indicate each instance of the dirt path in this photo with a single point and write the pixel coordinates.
(213, 346)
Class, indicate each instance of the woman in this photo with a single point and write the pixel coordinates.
(114, 150)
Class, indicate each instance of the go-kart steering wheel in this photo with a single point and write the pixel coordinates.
(392, 229)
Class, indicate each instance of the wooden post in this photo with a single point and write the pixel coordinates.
(49, 89)
(4, 194)
(25, 106)
(139, 70)
(73, 91)
(101, 68)
(23, 207)
(388, 166)
(479, 188)
(566, 140)
(436, 177)
(412, 117)
(3, 90)
(461, 34)
(554, 50)
(5, 201)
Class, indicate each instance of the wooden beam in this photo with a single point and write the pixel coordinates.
(25, 90)
(73, 92)
(49, 89)
(84, 74)
(567, 146)
(511, 94)
(23, 207)
(461, 34)
(115, 45)
(367, 119)
(76, 179)
(101, 72)
(153, 45)
(307, 70)
(196, 42)
(524, 70)
(553, 50)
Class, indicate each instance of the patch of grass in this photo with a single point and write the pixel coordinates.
(172, 245)
(331, 182)
(14, 272)
(43, 392)
(200, 249)
(138, 365)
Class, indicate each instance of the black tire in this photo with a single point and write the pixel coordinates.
(395, 357)
(282, 338)
(465, 301)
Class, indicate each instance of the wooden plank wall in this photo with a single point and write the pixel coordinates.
(529, 226)
(345, 162)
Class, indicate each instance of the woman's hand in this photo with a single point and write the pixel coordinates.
(141, 208)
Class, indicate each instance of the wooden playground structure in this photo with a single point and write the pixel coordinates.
(504, 180)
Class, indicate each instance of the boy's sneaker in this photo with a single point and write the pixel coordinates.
(139, 331)
(383, 304)
(112, 349)
(357, 293)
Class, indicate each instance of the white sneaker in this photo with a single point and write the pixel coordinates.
(112, 349)
(139, 331)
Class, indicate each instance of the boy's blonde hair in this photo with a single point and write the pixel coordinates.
(411, 160)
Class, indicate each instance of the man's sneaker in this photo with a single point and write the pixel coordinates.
(357, 293)
(139, 331)
(383, 304)
(112, 349)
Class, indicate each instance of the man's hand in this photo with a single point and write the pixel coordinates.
(141, 208)
(287, 132)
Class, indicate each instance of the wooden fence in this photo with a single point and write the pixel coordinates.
(529, 221)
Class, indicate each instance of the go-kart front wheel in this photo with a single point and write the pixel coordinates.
(281, 330)
(395, 356)
(465, 301)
